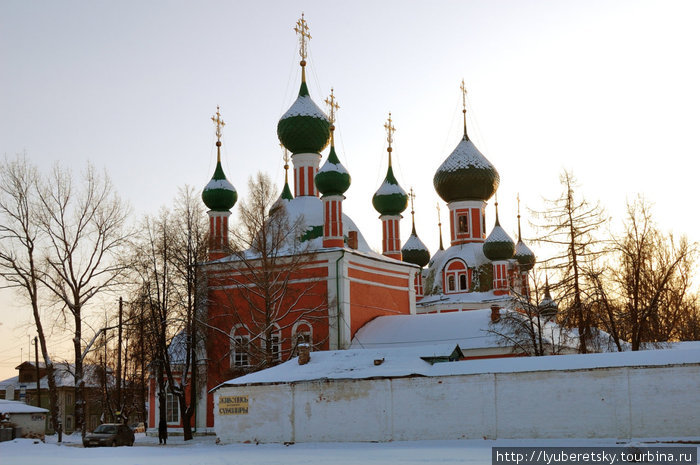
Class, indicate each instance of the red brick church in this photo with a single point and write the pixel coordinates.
(327, 282)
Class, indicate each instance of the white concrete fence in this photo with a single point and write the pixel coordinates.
(613, 402)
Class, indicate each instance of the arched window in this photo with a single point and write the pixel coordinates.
(302, 333)
(275, 342)
(240, 347)
(456, 276)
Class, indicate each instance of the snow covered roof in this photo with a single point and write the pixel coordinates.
(12, 406)
(469, 329)
(64, 377)
(407, 361)
(304, 106)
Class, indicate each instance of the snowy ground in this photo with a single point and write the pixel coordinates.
(203, 451)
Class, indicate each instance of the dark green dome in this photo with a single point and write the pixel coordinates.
(332, 178)
(390, 198)
(414, 250)
(304, 128)
(525, 257)
(498, 246)
(219, 194)
(466, 175)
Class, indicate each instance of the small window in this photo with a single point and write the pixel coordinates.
(275, 342)
(69, 399)
(462, 282)
(172, 409)
(69, 423)
(463, 224)
(451, 283)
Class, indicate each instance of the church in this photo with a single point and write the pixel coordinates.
(307, 278)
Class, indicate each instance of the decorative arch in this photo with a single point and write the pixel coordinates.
(456, 277)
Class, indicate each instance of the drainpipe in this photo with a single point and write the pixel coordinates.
(337, 294)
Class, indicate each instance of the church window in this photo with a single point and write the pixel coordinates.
(302, 333)
(275, 344)
(456, 277)
(463, 222)
(240, 347)
(172, 409)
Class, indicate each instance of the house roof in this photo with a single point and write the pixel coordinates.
(11, 406)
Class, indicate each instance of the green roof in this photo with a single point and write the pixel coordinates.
(219, 194)
(466, 175)
(304, 128)
(390, 198)
(332, 178)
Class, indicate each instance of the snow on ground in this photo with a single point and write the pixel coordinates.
(203, 450)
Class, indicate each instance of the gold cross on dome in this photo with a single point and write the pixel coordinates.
(463, 88)
(332, 106)
(219, 123)
(412, 196)
(390, 130)
(285, 157)
(438, 209)
(303, 30)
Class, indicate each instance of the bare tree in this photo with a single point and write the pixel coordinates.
(171, 246)
(270, 290)
(528, 327)
(85, 230)
(653, 278)
(570, 224)
(20, 259)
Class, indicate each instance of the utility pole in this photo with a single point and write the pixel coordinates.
(119, 360)
(36, 362)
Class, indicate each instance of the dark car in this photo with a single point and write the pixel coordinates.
(109, 434)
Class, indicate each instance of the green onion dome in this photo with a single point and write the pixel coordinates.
(219, 194)
(466, 175)
(390, 198)
(498, 246)
(548, 306)
(304, 128)
(525, 257)
(414, 250)
(332, 178)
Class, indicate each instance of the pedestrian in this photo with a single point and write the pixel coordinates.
(162, 432)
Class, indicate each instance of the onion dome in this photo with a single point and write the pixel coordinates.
(332, 178)
(286, 194)
(219, 194)
(414, 250)
(523, 254)
(390, 198)
(548, 306)
(304, 128)
(498, 246)
(466, 174)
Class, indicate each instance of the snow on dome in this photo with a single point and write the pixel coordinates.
(525, 256)
(414, 243)
(304, 106)
(465, 155)
(219, 184)
(466, 175)
(388, 188)
(499, 245)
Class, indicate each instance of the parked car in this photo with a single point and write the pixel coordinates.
(139, 427)
(109, 434)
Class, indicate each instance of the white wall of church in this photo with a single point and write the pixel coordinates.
(619, 402)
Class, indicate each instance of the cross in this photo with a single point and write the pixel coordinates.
(390, 129)
(464, 107)
(463, 88)
(438, 209)
(219, 123)
(285, 157)
(303, 30)
(411, 195)
(332, 106)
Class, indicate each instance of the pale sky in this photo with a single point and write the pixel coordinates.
(608, 89)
